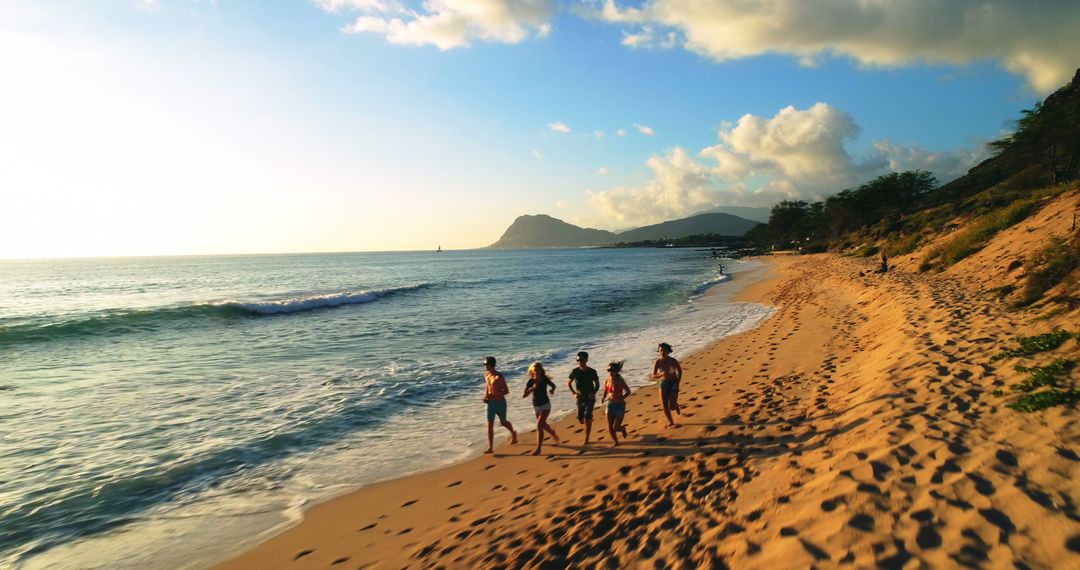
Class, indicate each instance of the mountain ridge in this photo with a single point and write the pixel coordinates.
(542, 230)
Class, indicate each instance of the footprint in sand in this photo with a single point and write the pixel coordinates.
(862, 522)
(409, 503)
(302, 554)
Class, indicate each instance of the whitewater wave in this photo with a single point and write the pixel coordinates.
(317, 301)
(706, 285)
(124, 321)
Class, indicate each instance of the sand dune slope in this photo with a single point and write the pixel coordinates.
(854, 427)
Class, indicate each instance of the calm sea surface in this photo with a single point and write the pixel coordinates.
(166, 412)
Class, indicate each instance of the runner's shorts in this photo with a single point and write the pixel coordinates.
(496, 408)
(585, 408)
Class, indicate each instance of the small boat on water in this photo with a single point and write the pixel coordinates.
(439, 250)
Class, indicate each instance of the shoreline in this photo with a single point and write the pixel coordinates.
(748, 287)
(733, 289)
(855, 425)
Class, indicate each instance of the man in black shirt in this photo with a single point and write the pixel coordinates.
(584, 383)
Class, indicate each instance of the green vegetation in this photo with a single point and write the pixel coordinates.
(796, 223)
(1051, 265)
(698, 240)
(1047, 399)
(1042, 376)
(1035, 397)
(899, 213)
(1046, 135)
(1028, 345)
(978, 233)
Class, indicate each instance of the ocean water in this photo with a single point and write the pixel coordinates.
(168, 412)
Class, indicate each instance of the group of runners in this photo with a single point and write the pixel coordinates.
(584, 383)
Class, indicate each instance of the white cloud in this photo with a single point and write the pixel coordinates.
(560, 204)
(647, 38)
(1037, 40)
(147, 4)
(337, 6)
(798, 143)
(946, 165)
(645, 130)
(679, 187)
(621, 132)
(447, 24)
(642, 39)
(536, 154)
(602, 171)
(559, 127)
(758, 161)
(598, 135)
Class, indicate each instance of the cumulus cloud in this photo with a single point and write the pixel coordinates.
(645, 130)
(602, 171)
(621, 132)
(1037, 40)
(758, 161)
(559, 127)
(946, 165)
(536, 154)
(447, 24)
(680, 186)
(598, 135)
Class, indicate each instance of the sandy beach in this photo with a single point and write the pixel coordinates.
(856, 426)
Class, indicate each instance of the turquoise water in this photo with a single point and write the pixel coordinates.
(167, 412)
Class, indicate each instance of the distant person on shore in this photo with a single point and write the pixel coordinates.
(584, 383)
(495, 391)
(669, 372)
(538, 385)
(616, 409)
(884, 267)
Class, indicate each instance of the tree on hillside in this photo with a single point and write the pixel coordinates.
(889, 196)
(1048, 135)
(785, 220)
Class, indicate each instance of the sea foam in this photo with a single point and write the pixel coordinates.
(296, 305)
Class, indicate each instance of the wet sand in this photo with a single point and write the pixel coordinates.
(856, 426)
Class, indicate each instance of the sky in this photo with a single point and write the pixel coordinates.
(171, 127)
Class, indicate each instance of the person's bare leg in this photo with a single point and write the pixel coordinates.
(539, 433)
(491, 438)
(509, 426)
(550, 429)
(667, 410)
(611, 430)
(619, 427)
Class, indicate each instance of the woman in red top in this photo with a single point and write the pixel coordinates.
(615, 392)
